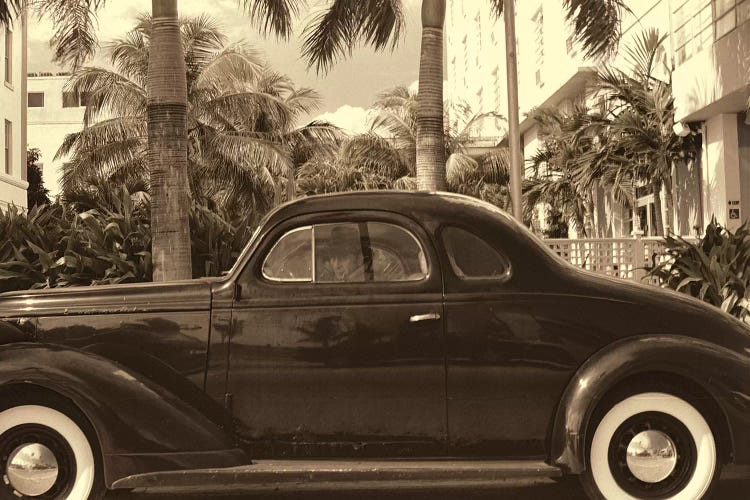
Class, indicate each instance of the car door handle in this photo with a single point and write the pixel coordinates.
(424, 317)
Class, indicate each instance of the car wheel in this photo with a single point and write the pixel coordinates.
(45, 454)
(651, 445)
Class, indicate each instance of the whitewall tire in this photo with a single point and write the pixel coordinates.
(29, 431)
(651, 445)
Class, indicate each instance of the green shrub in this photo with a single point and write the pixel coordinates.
(53, 246)
(714, 270)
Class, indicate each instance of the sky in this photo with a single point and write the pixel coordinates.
(347, 90)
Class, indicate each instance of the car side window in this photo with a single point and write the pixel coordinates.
(471, 257)
(367, 251)
(290, 259)
(350, 252)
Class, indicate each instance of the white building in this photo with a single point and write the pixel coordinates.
(53, 114)
(13, 183)
(711, 42)
(709, 45)
(475, 68)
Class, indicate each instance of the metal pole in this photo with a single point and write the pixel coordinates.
(514, 136)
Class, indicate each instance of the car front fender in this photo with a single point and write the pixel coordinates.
(722, 373)
(140, 426)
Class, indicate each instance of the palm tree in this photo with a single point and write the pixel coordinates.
(386, 156)
(335, 31)
(554, 181)
(241, 123)
(75, 41)
(641, 117)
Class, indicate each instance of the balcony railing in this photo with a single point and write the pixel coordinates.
(626, 258)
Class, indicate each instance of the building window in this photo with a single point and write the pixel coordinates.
(36, 99)
(8, 147)
(73, 100)
(70, 100)
(693, 28)
(728, 14)
(538, 20)
(8, 56)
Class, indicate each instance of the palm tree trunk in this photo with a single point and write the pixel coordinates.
(430, 139)
(291, 186)
(588, 218)
(514, 134)
(669, 202)
(656, 189)
(166, 87)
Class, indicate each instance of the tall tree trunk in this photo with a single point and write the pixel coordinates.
(588, 218)
(656, 189)
(166, 87)
(514, 133)
(669, 218)
(291, 184)
(430, 139)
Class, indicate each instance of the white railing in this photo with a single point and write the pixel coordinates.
(627, 258)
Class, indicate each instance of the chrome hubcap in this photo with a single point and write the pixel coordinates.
(651, 456)
(32, 469)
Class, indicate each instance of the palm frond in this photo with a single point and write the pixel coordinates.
(274, 16)
(596, 24)
(335, 31)
(108, 93)
(9, 10)
(74, 37)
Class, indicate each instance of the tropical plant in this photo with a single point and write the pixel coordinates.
(9, 10)
(242, 134)
(553, 167)
(640, 119)
(338, 29)
(75, 41)
(36, 194)
(54, 246)
(386, 158)
(715, 270)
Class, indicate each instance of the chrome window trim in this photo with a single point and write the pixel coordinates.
(270, 252)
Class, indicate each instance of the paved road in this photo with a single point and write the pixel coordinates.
(515, 490)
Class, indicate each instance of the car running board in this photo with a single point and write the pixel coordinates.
(342, 474)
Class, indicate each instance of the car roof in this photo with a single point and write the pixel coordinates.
(404, 202)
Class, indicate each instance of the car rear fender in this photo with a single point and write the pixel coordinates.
(131, 414)
(720, 373)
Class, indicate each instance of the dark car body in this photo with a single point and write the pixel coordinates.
(216, 372)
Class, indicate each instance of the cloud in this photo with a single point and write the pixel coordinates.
(350, 118)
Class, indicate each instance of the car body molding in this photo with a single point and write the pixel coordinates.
(722, 373)
(139, 424)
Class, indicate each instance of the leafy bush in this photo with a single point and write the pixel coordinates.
(217, 240)
(53, 246)
(715, 270)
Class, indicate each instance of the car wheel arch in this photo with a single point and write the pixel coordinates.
(18, 393)
(615, 370)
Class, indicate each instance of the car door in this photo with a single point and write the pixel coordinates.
(507, 356)
(337, 342)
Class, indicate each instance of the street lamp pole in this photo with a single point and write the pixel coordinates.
(514, 136)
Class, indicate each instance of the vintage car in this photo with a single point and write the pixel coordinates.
(388, 338)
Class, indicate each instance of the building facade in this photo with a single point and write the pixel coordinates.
(13, 183)
(711, 41)
(708, 50)
(53, 114)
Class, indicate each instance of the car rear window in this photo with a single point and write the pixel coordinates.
(471, 257)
